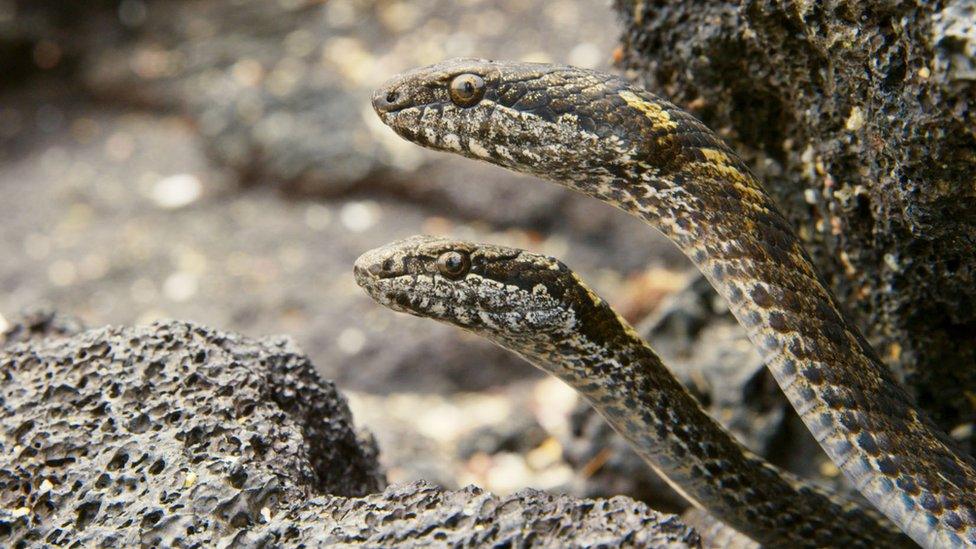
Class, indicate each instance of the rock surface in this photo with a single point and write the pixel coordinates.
(176, 434)
(418, 515)
(861, 119)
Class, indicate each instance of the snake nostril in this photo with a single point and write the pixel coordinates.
(382, 269)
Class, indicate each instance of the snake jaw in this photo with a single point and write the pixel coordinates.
(407, 276)
(522, 121)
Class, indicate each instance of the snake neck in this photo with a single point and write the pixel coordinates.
(863, 418)
(603, 359)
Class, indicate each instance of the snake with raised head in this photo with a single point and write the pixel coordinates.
(598, 134)
(535, 306)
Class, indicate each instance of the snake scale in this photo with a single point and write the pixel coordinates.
(598, 134)
(534, 305)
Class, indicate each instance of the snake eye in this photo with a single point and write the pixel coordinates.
(467, 89)
(453, 264)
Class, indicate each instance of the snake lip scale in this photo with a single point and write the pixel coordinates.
(599, 135)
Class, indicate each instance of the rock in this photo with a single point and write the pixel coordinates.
(42, 36)
(38, 323)
(609, 465)
(700, 341)
(419, 515)
(281, 90)
(132, 433)
(177, 434)
(702, 344)
(861, 120)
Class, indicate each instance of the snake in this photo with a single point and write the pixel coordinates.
(600, 135)
(537, 307)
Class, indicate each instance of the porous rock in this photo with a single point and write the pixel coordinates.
(860, 116)
(420, 515)
(168, 432)
(177, 434)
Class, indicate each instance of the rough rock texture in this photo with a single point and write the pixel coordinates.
(861, 119)
(176, 434)
(103, 428)
(418, 515)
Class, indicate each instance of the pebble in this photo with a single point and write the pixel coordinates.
(351, 341)
(855, 120)
(190, 480)
(359, 216)
(177, 191)
(180, 286)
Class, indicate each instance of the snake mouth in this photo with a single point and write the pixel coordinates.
(369, 269)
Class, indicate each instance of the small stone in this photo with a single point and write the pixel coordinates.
(351, 341)
(177, 191)
(190, 480)
(828, 469)
(855, 120)
(359, 216)
(545, 455)
(180, 286)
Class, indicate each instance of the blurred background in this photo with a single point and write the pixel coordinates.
(218, 161)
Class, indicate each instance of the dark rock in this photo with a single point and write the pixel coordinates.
(41, 36)
(520, 434)
(176, 434)
(700, 341)
(698, 338)
(861, 119)
(119, 433)
(609, 465)
(39, 323)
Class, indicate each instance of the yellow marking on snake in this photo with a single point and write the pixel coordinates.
(659, 116)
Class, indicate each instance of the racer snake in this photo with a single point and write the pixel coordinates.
(599, 135)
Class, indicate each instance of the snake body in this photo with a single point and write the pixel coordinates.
(599, 135)
(534, 305)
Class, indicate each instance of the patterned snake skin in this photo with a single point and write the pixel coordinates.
(534, 305)
(599, 135)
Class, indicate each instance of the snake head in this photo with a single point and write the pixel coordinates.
(495, 291)
(558, 122)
